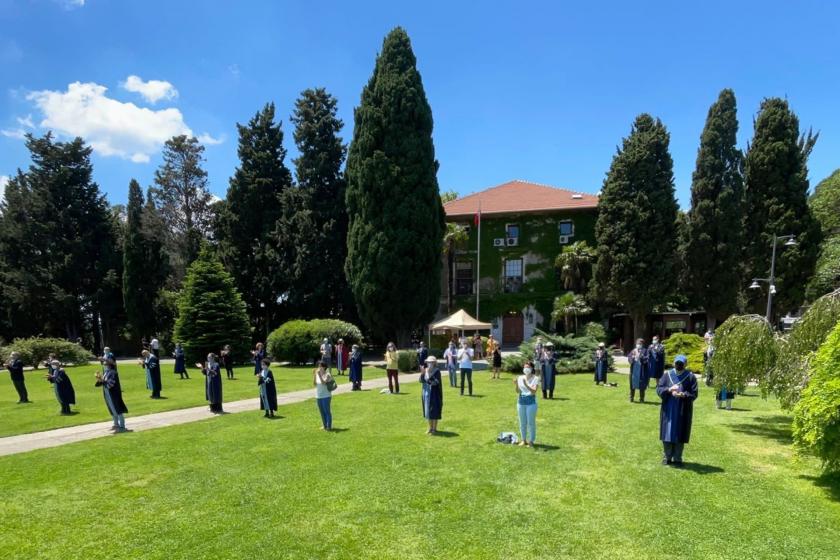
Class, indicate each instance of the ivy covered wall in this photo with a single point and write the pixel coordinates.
(539, 245)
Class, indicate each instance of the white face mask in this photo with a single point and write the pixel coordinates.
(527, 371)
(638, 347)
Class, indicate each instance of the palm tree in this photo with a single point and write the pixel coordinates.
(453, 236)
(567, 306)
(575, 264)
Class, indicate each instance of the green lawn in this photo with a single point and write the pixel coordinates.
(42, 414)
(239, 486)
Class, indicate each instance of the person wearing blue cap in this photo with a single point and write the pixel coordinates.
(677, 388)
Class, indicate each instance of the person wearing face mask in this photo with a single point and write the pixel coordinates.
(549, 371)
(639, 370)
(602, 364)
(392, 368)
(526, 405)
(63, 387)
(432, 394)
(355, 362)
(109, 380)
(656, 354)
(451, 357)
(213, 383)
(678, 389)
(153, 381)
(268, 391)
(465, 358)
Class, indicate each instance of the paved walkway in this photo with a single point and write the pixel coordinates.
(61, 436)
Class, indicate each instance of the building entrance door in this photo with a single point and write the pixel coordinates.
(513, 328)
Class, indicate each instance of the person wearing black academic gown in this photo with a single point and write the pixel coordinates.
(109, 380)
(432, 394)
(15, 367)
(355, 362)
(227, 361)
(212, 383)
(259, 355)
(602, 364)
(639, 370)
(152, 364)
(180, 362)
(422, 354)
(268, 390)
(656, 358)
(678, 389)
(64, 392)
(549, 371)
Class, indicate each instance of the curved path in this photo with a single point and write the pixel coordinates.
(61, 436)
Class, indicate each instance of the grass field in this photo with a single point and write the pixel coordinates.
(239, 486)
(42, 414)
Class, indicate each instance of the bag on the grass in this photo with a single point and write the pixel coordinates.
(507, 437)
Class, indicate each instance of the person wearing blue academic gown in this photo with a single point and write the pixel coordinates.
(549, 370)
(63, 387)
(432, 394)
(602, 364)
(15, 367)
(109, 380)
(212, 383)
(422, 354)
(259, 355)
(180, 362)
(356, 368)
(639, 370)
(153, 381)
(678, 389)
(268, 390)
(656, 357)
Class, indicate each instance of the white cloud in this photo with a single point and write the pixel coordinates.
(26, 121)
(4, 180)
(210, 140)
(152, 91)
(111, 127)
(71, 4)
(17, 133)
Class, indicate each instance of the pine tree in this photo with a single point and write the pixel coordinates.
(776, 203)
(249, 216)
(715, 230)
(57, 241)
(211, 312)
(396, 226)
(317, 214)
(183, 200)
(138, 302)
(636, 229)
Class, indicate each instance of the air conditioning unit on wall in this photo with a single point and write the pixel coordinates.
(512, 241)
(499, 242)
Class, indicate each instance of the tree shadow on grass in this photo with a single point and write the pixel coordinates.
(775, 427)
(830, 482)
(700, 468)
(445, 434)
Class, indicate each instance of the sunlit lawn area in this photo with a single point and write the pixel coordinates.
(239, 486)
(42, 414)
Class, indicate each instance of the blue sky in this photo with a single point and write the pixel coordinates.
(536, 91)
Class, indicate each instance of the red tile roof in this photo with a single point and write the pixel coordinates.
(520, 196)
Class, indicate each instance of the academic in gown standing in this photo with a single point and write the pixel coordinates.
(678, 389)
(268, 390)
(64, 392)
(15, 367)
(356, 368)
(432, 394)
(259, 355)
(639, 370)
(212, 383)
(549, 371)
(109, 380)
(656, 357)
(180, 362)
(152, 364)
(602, 364)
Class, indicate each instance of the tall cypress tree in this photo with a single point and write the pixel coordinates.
(715, 230)
(250, 213)
(776, 203)
(396, 220)
(135, 286)
(636, 229)
(317, 214)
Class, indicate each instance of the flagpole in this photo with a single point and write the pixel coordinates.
(478, 263)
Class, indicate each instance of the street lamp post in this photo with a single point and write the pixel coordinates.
(771, 282)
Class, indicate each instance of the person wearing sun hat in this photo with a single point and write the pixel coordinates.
(432, 394)
(678, 389)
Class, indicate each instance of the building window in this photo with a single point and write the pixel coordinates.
(513, 276)
(463, 278)
(567, 228)
(512, 231)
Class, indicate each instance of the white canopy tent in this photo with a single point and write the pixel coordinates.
(459, 321)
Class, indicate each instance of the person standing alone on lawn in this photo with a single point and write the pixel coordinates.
(64, 392)
(451, 357)
(656, 357)
(227, 360)
(526, 404)
(268, 390)
(180, 362)
(465, 362)
(109, 380)
(422, 354)
(213, 383)
(15, 367)
(678, 389)
(602, 364)
(432, 394)
(342, 356)
(392, 368)
(639, 370)
(356, 368)
(259, 355)
(152, 365)
(549, 371)
(324, 384)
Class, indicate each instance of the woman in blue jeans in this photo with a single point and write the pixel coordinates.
(322, 395)
(526, 386)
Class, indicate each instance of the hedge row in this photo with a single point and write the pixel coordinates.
(299, 342)
(33, 351)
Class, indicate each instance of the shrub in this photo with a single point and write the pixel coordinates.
(211, 312)
(407, 361)
(299, 341)
(790, 374)
(692, 345)
(596, 331)
(33, 351)
(745, 349)
(816, 416)
(575, 354)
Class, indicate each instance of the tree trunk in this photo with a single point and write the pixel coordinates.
(638, 325)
